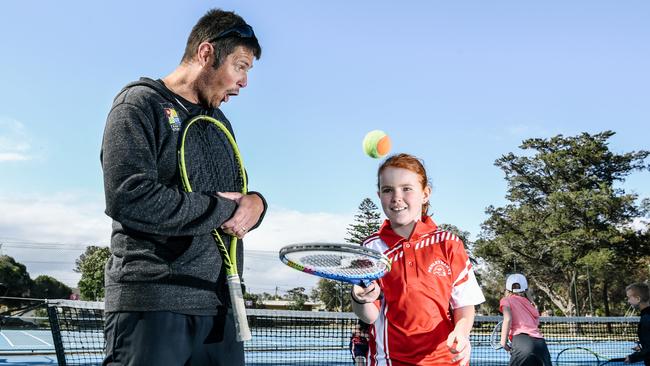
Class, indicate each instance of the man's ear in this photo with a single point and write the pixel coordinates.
(205, 54)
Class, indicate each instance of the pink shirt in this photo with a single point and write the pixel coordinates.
(525, 317)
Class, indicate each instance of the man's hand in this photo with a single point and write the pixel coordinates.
(459, 345)
(248, 212)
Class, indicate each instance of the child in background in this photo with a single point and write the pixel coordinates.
(521, 325)
(359, 344)
(638, 295)
(426, 309)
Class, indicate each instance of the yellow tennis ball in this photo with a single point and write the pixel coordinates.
(376, 144)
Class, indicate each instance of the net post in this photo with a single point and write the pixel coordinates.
(56, 335)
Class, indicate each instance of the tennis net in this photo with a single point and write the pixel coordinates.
(305, 338)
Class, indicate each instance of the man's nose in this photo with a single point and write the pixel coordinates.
(243, 81)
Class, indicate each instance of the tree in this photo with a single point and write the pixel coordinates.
(253, 301)
(566, 223)
(91, 266)
(335, 295)
(14, 278)
(297, 297)
(366, 222)
(46, 287)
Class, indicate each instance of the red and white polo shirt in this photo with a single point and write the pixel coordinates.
(430, 273)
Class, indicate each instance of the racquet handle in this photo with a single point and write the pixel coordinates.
(242, 331)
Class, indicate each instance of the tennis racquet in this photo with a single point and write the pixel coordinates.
(495, 337)
(341, 262)
(583, 356)
(198, 171)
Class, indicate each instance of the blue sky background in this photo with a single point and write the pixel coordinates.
(456, 83)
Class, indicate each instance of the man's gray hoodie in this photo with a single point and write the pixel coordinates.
(163, 255)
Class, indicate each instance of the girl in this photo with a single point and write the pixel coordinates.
(421, 311)
(521, 325)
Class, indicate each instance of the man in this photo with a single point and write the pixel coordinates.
(638, 296)
(166, 298)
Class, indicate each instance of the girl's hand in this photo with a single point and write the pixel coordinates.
(366, 295)
(459, 345)
(505, 346)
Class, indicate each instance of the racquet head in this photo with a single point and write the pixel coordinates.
(200, 170)
(584, 356)
(341, 262)
(495, 337)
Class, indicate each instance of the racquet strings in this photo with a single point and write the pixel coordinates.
(205, 172)
(337, 263)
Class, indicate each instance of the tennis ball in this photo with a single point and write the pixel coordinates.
(376, 144)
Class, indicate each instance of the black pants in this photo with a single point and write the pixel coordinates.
(164, 338)
(529, 351)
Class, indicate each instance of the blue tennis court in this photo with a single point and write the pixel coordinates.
(25, 341)
(27, 347)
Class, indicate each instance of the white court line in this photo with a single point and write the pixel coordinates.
(36, 338)
(7, 339)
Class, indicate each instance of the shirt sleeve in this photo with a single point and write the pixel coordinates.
(465, 289)
(266, 206)
(503, 303)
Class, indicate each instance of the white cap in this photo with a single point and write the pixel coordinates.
(517, 278)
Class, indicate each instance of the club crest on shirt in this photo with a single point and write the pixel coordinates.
(439, 268)
(172, 116)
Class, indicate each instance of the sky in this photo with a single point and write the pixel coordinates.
(456, 83)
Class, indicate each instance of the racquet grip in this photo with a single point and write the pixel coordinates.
(242, 331)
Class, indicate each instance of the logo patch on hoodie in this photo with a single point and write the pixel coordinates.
(172, 116)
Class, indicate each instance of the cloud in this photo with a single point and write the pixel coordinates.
(282, 227)
(640, 224)
(14, 141)
(48, 234)
(59, 218)
(263, 271)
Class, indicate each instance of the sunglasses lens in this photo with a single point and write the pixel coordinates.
(243, 31)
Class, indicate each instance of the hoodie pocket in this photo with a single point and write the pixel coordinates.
(137, 257)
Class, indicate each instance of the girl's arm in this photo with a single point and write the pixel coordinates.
(363, 302)
(505, 327)
(458, 340)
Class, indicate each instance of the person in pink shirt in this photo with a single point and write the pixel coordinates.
(521, 325)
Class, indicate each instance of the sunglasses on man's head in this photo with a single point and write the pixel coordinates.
(242, 31)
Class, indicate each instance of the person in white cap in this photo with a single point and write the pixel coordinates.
(521, 325)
